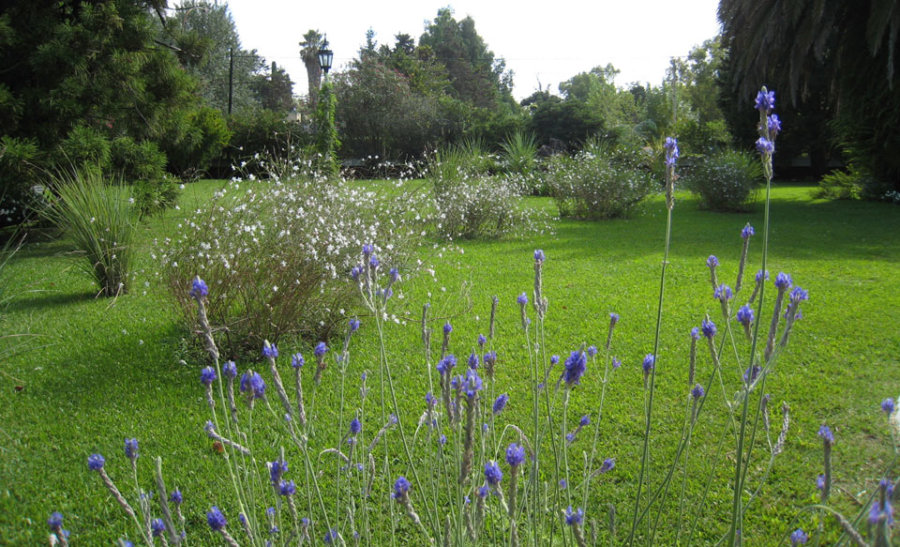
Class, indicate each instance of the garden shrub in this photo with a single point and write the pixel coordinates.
(600, 183)
(277, 253)
(472, 203)
(84, 147)
(256, 134)
(192, 140)
(854, 183)
(19, 167)
(100, 219)
(153, 196)
(726, 181)
(137, 161)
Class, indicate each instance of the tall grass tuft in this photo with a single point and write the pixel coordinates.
(99, 218)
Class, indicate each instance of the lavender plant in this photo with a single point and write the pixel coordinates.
(449, 466)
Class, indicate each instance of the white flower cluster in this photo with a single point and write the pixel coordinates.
(276, 254)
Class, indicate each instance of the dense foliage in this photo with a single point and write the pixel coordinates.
(726, 181)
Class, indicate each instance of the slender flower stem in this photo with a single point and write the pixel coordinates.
(645, 453)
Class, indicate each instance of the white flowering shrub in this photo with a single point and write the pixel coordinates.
(472, 203)
(726, 181)
(277, 253)
(598, 185)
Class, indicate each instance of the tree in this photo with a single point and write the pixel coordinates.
(210, 47)
(476, 76)
(275, 90)
(309, 54)
(830, 61)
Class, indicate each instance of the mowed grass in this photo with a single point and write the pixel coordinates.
(95, 371)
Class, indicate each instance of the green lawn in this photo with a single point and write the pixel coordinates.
(95, 371)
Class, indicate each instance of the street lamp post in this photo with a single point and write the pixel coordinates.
(326, 138)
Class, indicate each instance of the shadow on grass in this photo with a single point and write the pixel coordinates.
(42, 300)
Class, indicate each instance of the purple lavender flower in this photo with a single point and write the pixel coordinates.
(554, 360)
(490, 358)
(783, 281)
(208, 376)
(798, 537)
(430, 400)
(355, 426)
(500, 403)
(401, 488)
(515, 454)
(826, 434)
(472, 384)
(95, 462)
(287, 488)
(176, 497)
(157, 527)
(616, 363)
(331, 536)
(563, 484)
(448, 328)
(883, 510)
(481, 340)
(269, 350)
(215, 519)
(695, 333)
(354, 325)
(723, 293)
(712, 261)
(798, 294)
(574, 517)
(745, 315)
(131, 449)
(765, 101)
(492, 473)
(887, 406)
(570, 438)
(368, 249)
(198, 288)
(297, 360)
(649, 363)
(356, 271)
(774, 124)
(760, 275)
(229, 369)
(592, 351)
(764, 146)
(584, 421)
(276, 470)
(255, 385)
(747, 232)
(608, 465)
(446, 364)
(442, 440)
(708, 328)
(539, 256)
(613, 319)
(55, 521)
(320, 350)
(820, 481)
(374, 262)
(750, 374)
(697, 392)
(394, 275)
(473, 361)
(483, 491)
(522, 299)
(575, 365)
(671, 148)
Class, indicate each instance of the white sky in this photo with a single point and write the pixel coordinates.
(548, 41)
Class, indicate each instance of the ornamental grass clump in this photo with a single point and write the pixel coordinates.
(277, 254)
(100, 219)
(450, 465)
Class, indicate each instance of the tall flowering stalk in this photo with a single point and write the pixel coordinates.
(671, 157)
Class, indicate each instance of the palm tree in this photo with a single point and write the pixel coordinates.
(309, 53)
